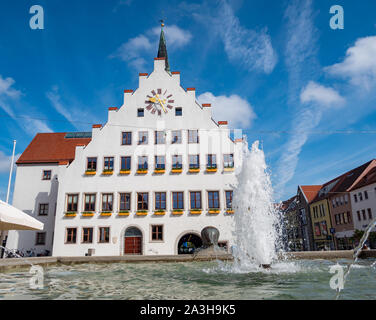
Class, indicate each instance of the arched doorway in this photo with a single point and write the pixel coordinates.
(133, 241)
(189, 243)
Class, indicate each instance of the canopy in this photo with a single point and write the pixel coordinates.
(12, 218)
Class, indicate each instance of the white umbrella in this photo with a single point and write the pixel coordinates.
(12, 218)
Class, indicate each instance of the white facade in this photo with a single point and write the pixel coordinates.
(363, 203)
(107, 142)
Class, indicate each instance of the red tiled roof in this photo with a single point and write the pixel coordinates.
(51, 148)
(368, 179)
(310, 192)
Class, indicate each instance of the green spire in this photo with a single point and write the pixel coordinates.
(162, 50)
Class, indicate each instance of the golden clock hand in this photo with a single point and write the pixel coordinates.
(153, 100)
(161, 103)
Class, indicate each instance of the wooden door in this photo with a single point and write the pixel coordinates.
(132, 245)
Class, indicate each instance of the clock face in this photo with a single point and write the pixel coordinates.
(159, 101)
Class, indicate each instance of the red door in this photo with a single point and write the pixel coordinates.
(132, 245)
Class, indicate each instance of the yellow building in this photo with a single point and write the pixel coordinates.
(321, 225)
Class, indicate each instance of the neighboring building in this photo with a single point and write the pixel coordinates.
(292, 225)
(146, 182)
(363, 200)
(341, 208)
(305, 195)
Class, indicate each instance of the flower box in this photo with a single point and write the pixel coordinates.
(142, 213)
(87, 214)
(196, 211)
(177, 170)
(90, 173)
(230, 211)
(159, 171)
(214, 211)
(142, 171)
(70, 214)
(177, 212)
(229, 169)
(125, 171)
(108, 172)
(160, 212)
(106, 214)
(211, 169)
(194, 170)
(123, 213)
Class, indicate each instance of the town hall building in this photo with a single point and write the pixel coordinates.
(146, 182)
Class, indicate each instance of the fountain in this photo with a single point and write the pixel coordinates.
(257, 221)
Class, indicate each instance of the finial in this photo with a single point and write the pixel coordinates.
(162, 23)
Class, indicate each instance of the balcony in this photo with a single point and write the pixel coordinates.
(125, 171)
(196, 211)
(108, 172)
(142, 213)
(159, 212)
(90, 172)
(123, 213)
(214, 211)
(87, 214)
(106, 213)
(177, 212)
(70, 214)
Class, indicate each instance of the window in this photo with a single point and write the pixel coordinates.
(72, 200)
(108, 164)
(91, 164)
(71, 235)
(348, 216)
(40, 238)
(157, 233)
(177, 162)
(43, 209)
(104, 234)
(369, 213)
(194, 161)
(228, 160)
(90, 202)
(178, 112)
(160, 201)
(355, 198)
(359, 218)
(140, 112)
(160, 162)
(333, 203)
(177, 200)
(364, 214)
(337, 219)
(344, 218)
(142, 201)
(228, 199)
(360, 196)
(142, 162)
(213, 199)
(365, 194)
(196, 200)
(176, 137)
(125, 163)
(317, 229)
(46, 175)
(212, 161)
(107, 202)
(193, 136)
(125, 201)
(159, 137)
(143, 137)
(346, 198)
(87, 235)
(126, 138)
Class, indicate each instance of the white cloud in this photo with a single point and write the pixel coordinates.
(236, 110)
(321, 95)
(5, 162)
(136, 50)
(359, 65)
(8, 93)
(34, 126)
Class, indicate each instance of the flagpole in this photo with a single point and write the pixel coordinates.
(11, 171)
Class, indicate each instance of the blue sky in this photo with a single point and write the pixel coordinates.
(273, 68)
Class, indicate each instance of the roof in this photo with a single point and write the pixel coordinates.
(310, 192)
(342, 183)
(52, 148)
(286, 205)
(368, 179)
